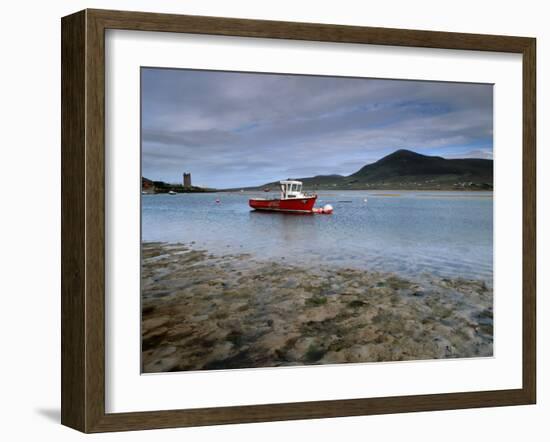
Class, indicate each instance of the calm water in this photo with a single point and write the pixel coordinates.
(448, 234)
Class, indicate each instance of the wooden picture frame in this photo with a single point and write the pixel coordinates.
(83, 220)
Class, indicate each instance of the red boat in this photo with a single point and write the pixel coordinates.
(292, 200)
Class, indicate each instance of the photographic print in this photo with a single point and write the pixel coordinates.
(292, 220)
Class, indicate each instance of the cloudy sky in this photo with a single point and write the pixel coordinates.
(232, 129)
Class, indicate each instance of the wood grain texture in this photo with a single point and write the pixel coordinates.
(83, 220)
(145, 21)
(529, 221)
(95, 221)
(73, 258)
(308, 410)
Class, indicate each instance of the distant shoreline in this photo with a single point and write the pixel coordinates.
(249, 191)
(400, 170)
(369, 189)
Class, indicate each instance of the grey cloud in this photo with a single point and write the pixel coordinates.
(236, 129)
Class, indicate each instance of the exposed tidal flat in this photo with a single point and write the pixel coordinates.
(203, 311)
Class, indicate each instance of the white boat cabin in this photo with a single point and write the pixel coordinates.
(291, 189)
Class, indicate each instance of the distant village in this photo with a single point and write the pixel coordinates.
(151, 187)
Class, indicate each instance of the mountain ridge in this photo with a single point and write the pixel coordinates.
(406, 169)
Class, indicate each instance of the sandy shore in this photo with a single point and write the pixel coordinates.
(202, 312)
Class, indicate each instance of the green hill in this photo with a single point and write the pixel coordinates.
(405, 169)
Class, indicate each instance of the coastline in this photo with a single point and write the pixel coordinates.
(201, 311)
(365, 189)
(379, 191)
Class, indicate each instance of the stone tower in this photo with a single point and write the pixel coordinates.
(187, 180)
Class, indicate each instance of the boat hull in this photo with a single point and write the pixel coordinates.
(298, 205)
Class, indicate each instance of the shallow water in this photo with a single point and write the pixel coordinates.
(447, 234)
